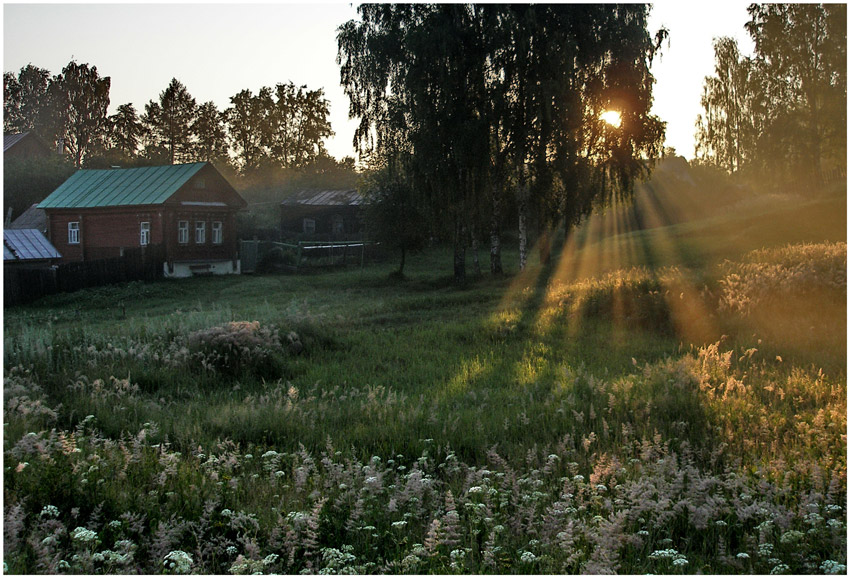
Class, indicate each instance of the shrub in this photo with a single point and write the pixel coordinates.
(770, 275)
(237, 347)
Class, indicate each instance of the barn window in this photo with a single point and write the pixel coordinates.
(200, 184)
(216, 232)
(144, 233)
(183, 232)
(338, 224)
(74, 233)
(200, 232)
(309, 226)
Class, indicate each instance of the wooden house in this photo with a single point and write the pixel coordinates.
(188, 210)
(330, 215)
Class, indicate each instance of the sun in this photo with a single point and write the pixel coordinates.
(612, 117)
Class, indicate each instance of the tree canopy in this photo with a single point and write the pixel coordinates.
(476, 101)
(781, 114)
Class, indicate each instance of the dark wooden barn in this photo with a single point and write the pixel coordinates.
(327, 215)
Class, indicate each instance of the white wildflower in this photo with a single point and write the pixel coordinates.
(743, 556)
(83, 534)
(780, 569)
(51, 511)
(833, 567)
(527, 557)
(178, 562)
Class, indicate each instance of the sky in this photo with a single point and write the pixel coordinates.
(217, 50)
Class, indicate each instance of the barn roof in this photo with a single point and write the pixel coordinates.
(27, 244)
(89, 188)
(332, 198)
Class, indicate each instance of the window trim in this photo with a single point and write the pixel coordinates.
(144, 233)
(311, 230)
(217, 232)
(183, 232)
(74, 233)
(200, 232)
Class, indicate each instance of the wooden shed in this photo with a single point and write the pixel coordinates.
(323, 214)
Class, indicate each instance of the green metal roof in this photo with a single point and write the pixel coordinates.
(120, 187)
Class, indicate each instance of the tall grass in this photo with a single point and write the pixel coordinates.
(342, 423)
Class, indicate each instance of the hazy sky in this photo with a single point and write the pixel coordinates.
(216, 50)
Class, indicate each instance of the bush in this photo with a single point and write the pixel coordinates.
(771, 275)
(237, 347)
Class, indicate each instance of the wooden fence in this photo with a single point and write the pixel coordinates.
(23, 285)
(266, 256)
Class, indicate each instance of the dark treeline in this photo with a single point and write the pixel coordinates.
(780, 116)
(265, 143)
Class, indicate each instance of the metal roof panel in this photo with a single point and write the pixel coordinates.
(89, 188)
(28, 244)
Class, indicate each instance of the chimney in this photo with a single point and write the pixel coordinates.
(61, 146)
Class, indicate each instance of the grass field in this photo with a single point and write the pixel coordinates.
(667, 400)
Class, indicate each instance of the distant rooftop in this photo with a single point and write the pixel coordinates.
(9, 140)
(32, 218)
(328, 198)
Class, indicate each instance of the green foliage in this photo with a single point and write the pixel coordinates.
(781, 115)
(83, 98)
(29, 181)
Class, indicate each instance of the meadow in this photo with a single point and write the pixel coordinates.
(664, 400)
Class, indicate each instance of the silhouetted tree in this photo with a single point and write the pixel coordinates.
(781, 114)
(29, 103)
(247, 121)
(484, 94)
(169, 123)
(83, 99)
(125, 130)
(210, 135)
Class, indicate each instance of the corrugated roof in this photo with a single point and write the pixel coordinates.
(27, 244)
(9, 140)
(120, 187)
(332, 198)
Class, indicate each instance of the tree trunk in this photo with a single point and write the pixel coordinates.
(459, 255)
(495, 238)
(522, 209)
(544, 245)
(401, 264)
(476, 264)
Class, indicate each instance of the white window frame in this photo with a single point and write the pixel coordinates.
(182, 232)
(74, 233)
(200, 232)
(309, 226)
(144, 233)
(217, 235)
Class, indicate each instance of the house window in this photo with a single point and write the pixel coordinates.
(144, 233)
(216, 232)
(338, 224)
(200, 232)
(200, 184)
(74, 233)
(309, 226)
(183, 232)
